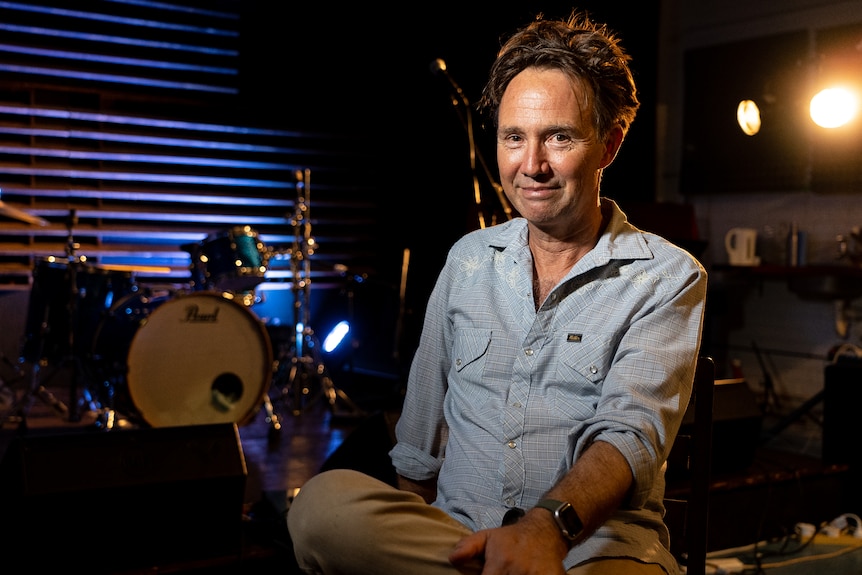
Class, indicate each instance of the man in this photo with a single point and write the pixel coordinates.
(555, 363)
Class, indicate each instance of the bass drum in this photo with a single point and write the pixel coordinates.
(106, 361)
(197, 359)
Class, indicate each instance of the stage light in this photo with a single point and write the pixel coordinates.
(299, 339)
(748, 117)
(335, 336)
(833, 107)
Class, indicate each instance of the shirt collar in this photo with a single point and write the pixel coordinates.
(620, 240)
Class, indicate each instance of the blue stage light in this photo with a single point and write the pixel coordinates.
(335, 336)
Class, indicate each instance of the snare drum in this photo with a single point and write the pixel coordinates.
(199, 358)
(234, 260)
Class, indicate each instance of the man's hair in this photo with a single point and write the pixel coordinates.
(588, 52)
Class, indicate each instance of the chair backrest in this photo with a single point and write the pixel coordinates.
(690, 464)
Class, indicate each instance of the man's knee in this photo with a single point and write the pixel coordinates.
(321, 502)
(328, 486)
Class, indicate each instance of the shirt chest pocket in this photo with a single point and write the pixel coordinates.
(580, 373)
(585, 361)
(469, 358)
(470, 347)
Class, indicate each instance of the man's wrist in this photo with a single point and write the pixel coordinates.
(565, 517)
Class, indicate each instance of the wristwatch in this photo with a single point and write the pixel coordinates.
(566, 517)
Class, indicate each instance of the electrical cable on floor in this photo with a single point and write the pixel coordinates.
(806, 534)
(806, 559)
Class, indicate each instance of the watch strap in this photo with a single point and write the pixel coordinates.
(550, 504)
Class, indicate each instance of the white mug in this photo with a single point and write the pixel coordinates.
(741, 244)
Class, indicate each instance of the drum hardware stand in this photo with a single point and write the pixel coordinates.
(18, 408)
(37, 388)
(72, 359)
(271, 416)
(306, 364)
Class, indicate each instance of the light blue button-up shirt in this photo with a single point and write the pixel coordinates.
(501, 399)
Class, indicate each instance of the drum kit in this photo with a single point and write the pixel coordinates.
(156, 355)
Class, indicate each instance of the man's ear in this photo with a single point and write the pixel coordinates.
(613, 141)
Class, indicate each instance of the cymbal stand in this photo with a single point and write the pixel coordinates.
(37, 388)
(74, 293)
(306, 365)
(15, 408)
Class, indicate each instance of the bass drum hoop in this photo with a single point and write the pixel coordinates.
(198, 359)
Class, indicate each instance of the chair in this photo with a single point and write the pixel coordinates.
(689, 475)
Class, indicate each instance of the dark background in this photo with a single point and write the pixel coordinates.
(351, 94)
(366, 73)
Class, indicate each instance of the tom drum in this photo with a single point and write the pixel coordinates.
(234, 260)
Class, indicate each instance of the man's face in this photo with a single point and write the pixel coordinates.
(548, 153)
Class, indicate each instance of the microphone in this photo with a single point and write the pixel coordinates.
(438, 66)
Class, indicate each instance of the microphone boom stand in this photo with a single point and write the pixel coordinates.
(438, 66)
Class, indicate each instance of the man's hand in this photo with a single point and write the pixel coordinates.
(532, 546)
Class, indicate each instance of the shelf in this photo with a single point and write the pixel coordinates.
(820, 281)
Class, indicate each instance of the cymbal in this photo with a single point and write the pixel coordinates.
(134, 268)
(15, 213)
(85, 264)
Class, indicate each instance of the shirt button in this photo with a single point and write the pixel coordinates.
(529, 351)
(517, 404)
(512, 444)
(458, 362)
(594, 370)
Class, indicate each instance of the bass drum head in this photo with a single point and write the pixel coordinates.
(199, 359)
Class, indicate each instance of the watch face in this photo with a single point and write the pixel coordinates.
(565, 516)
(568, 520)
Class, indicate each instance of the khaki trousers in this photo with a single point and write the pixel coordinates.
(344, 522)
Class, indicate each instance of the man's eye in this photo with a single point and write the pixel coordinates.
(511, 141)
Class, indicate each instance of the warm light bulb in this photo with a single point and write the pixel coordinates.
(748, 117)
(833, 107)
